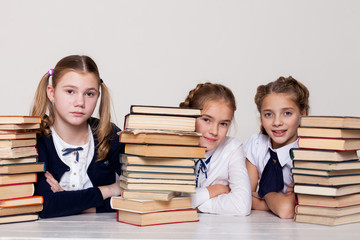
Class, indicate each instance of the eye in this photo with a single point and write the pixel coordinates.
(287, 113)
(267, 114)
(89, 94)
(224, 124)
(206, 120)
(70, 91)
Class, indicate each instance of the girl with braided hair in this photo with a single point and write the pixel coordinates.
(222, 183)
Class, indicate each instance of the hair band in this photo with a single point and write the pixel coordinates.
(50, 72)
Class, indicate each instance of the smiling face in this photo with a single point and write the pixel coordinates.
(74, 97)
(280, 116)
(214, 123)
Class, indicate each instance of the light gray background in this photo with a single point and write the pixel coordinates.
(154, 52)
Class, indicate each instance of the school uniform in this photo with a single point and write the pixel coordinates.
(75, 199)
(257, 152)
(227, 167)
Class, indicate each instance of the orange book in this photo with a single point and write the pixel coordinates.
(24, 201)
(19, 119)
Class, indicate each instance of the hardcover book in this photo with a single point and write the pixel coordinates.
(138, 205)
(328, 201)
(18, 178)
(156, 218)
(22, 168)
(16, 190)
(18, 152)
(340, 144)
(154, 161)
(156, 180)
(165, 110)
(330, 121)
(19, 218)
(20, 210)
(165, 151)
(322, 155)
(149, 195)
(326, 220)
(158, 187)
(159, 122)
(19, 119)
(328, 166)
(327, 180)
(327, 211)
(180, 176)
(328, 132)
(17, 135)
(156, 169)
(17, 143)
(144, 136)
(327, 190)
(14, 202)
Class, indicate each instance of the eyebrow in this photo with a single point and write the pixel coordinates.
(208, 116)
(73, 86)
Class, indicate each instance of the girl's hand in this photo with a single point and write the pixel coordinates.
(290, 189)
(111, 190)
(54, 185)
(217, 189)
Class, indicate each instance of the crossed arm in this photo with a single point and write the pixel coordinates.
(281, 204)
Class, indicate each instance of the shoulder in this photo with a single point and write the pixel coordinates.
(256, 147)
(256, 140)
(229, 146)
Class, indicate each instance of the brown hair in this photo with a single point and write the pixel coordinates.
(205, 92)
(289, 85)
(44, 108)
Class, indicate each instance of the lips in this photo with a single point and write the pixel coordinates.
(77, 114)
(212, 140)
(279, 133)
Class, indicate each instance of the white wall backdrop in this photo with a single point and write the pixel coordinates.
(154, 52)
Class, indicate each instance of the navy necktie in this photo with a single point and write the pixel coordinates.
(202, 167)
(272, 177)
(67, 151)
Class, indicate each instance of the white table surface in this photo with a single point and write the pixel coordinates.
(259, 225)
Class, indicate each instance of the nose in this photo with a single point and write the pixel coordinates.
(79, 101)
(214, 129)
(278, 121)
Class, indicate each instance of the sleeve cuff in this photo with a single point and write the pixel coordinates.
(201, 196)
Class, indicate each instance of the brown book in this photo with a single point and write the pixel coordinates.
(5, 161)
(327, 180)
(330, 122)
(328, 132)
(157, 122)
(138, 205)
(19, 119)
(165, 151)
(328, 166)
(180, 176)
(17, 143)
(158, 187)
(154, 161)
(18, 152)
(327, 211)
(18, 178)
(16, 190)
(17, 135)
(160, 137)
(315, 172)
(25, 201)
(22, 168)
(165, 110)
(149, 195)
(328, 201)
(322, 155)
(20, 210)
(156, 218)
(326, 220)
(157, 169)
(19, 126)
(339, 144)
(19, 218)
(327, 190)
(156, 180)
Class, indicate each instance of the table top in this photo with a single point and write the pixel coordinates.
(258, 225)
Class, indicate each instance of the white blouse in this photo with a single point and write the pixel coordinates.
(227, 167)
(257, 152)
(76, 178)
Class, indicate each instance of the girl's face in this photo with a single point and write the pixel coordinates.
(214, 123)
(74, 97)
(280, 117)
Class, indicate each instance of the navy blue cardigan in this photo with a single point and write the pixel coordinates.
(100, 173)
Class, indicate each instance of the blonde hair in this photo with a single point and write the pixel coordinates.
(205, 92)
(44, 108)
(297, 90)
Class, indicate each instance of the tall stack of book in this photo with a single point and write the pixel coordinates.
(326, 170)
(18, 167)
(160, 147)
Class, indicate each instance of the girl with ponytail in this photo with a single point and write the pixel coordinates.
(81, 153)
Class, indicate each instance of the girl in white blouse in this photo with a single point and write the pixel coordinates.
(223, 185)
(281, 104)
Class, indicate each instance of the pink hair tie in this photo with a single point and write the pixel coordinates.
(50, 72)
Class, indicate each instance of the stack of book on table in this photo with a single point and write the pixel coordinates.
(158, 164)
(18, 168)
(326, 170)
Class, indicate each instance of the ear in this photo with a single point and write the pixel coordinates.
(50, 91)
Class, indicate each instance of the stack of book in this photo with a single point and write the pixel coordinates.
(326, 170)
(18, 168)
(160, 147)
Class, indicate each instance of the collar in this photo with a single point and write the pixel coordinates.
(283, 153)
